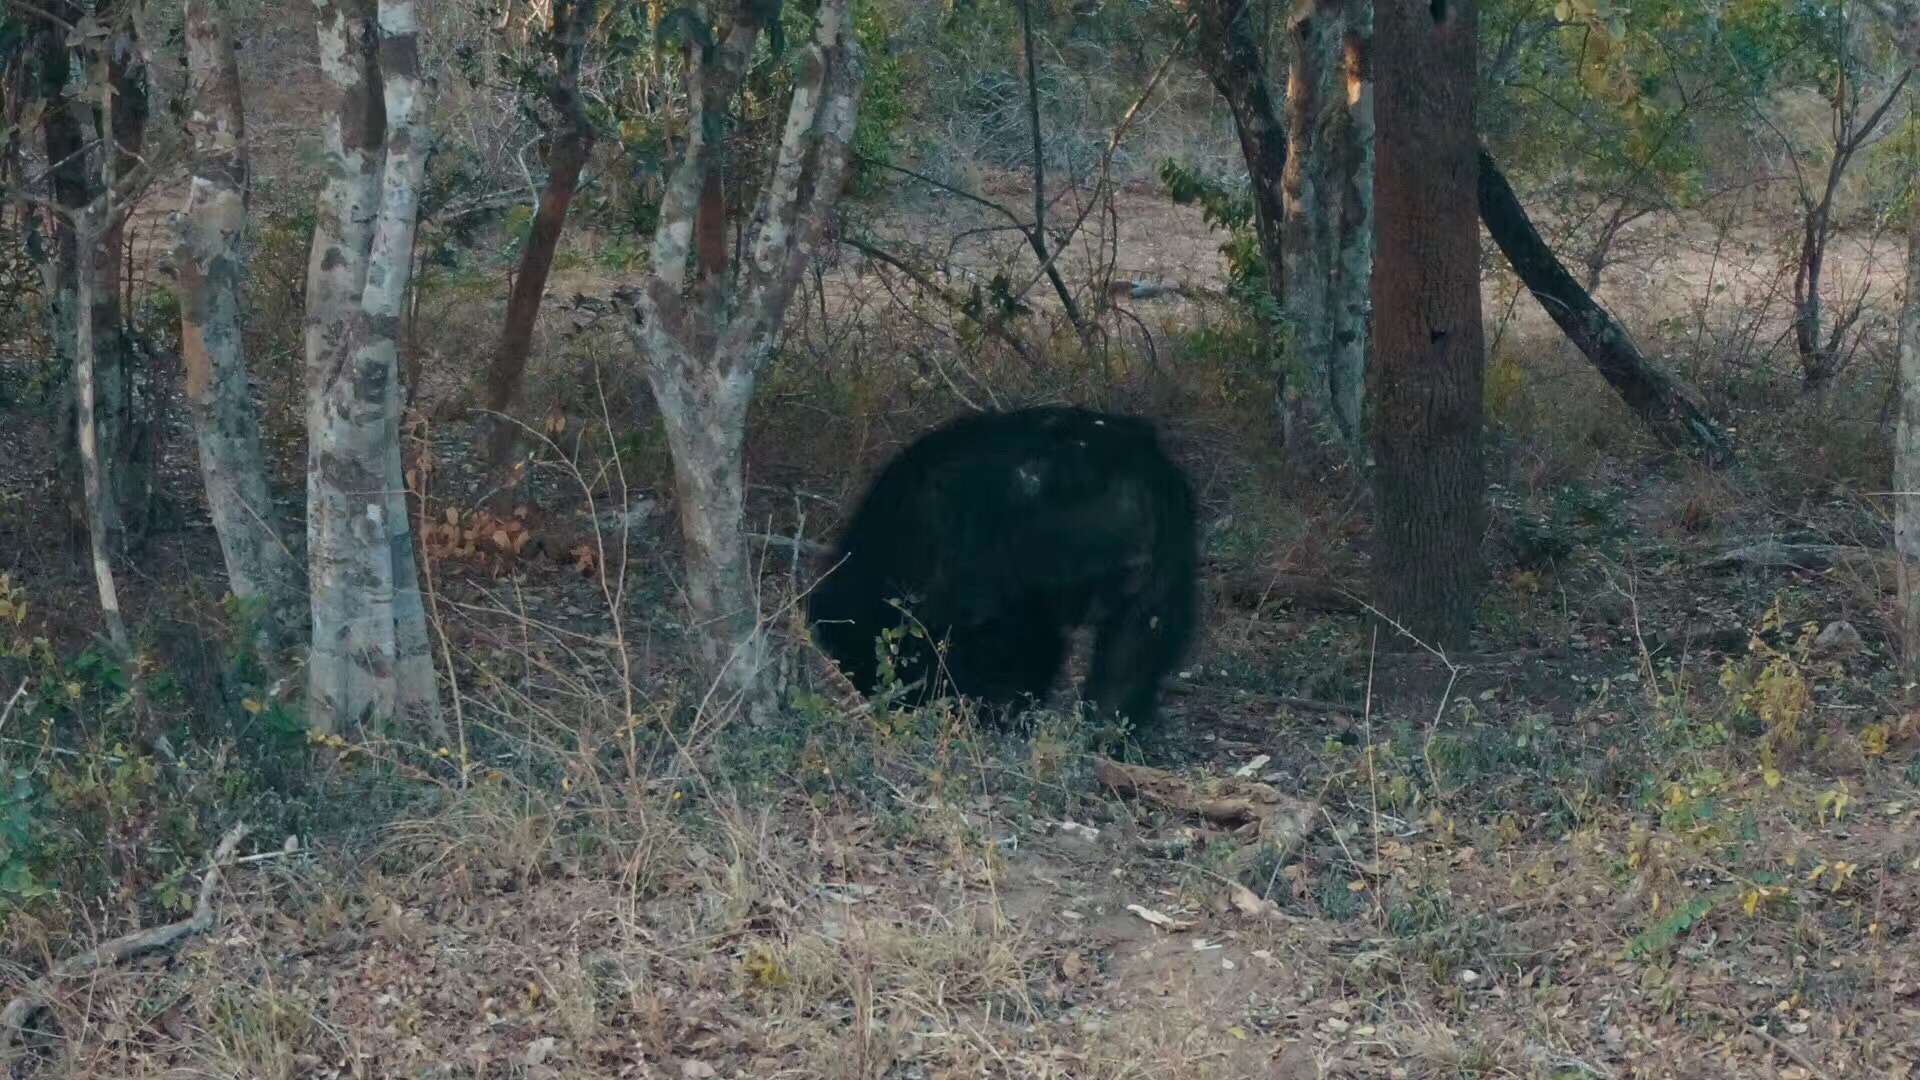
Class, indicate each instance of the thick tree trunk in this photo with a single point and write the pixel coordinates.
(370, 661)
(261, 569)
(1428, 366)
(1906, 449)
(1674, 411)
(1231, 58)
(704, 347)
(1328, 244)
(569, 153)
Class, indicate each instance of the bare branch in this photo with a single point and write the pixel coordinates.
(14, 1017)
(997, 327)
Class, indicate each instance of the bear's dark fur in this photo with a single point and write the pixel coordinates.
(1001, 532)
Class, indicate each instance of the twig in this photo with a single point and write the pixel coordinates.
(14, 1017)
(1453, 676)
(1779, 1044)
(18, 693)
(1037, 236)
(991, 324)
(801, 547)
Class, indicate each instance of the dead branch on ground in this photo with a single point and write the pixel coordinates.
(14, 1018)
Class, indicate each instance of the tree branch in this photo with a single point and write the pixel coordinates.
(14, 1018)
(958, 303)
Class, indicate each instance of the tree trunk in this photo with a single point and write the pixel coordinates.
(127, 434)
(1674, 411)
(1428, 367)
(706, 423)
(1906, 447)
(370, 662)
(704, 347)
(261, 569)
(64, 141)
(1231, 59)
(569, 153)
(1328, 180)
(96, 474)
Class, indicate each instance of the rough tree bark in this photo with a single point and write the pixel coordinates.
(1674, 411)
(116, 77)
(1230, 56)
(260, 566)
(1906, 451)
(1426, 378)
(569, 149)
(1327, 248)
(370, 662)
(126, 431)
(64, 142)
(705, 345)
(1902, 20)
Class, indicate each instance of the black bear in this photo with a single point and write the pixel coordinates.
(998, 533)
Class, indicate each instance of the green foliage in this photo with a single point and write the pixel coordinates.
(1229, 211)
(113, 789)
(884, 101)
(29, 855)
(1661, 935)
(1576, 517)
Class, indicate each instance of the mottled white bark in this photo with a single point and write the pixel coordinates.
(370, 661)
(703, 353)
(261, 568)
(1328, 186)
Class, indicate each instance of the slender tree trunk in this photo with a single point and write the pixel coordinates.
(1428, 368)
(253, 538)
(1674, 411)
(370, 661)
(96, 474)
(64, 141)
(571, 148)
(1906, 447)
(1327, 250)
(126, 435)
(704, 347)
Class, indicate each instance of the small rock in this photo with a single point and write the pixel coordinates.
(1838, 640)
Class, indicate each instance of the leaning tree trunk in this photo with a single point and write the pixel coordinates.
(370, 662)
(571, 148)
(1428, 367)
(705, 345)
(1328, 244)
(261, 569)
(1674, 411)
